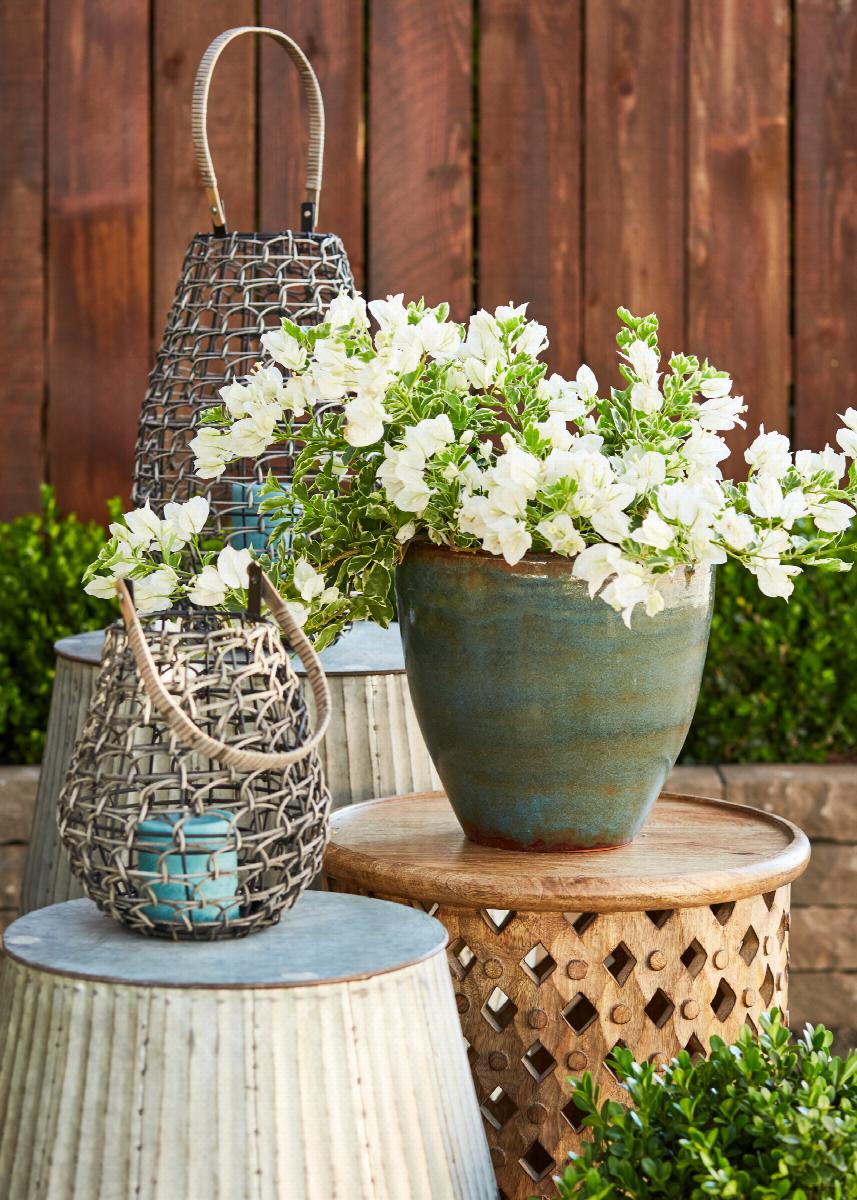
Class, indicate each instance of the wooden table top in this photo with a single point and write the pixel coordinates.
(324, 939)
(692, 851)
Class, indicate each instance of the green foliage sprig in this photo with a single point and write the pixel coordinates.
(765, 1119)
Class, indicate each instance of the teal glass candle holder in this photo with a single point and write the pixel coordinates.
(189, 866)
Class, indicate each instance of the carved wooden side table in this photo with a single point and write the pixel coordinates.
(558, 957)
(321, 1057)
(373, 746)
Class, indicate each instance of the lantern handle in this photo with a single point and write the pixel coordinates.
(188, 731)
(312, 92)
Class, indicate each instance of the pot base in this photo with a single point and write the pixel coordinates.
(536, 847)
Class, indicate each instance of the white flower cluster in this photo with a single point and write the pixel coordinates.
(457, 433)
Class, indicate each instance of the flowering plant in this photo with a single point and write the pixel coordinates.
(459, 435)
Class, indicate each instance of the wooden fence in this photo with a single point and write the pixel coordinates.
(695, 157)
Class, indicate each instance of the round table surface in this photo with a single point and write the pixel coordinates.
(364, 649)
(691, 852)
(325, 938)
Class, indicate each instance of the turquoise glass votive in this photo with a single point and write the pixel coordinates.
(202, 867)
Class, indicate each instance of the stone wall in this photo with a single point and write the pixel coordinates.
(821, 799)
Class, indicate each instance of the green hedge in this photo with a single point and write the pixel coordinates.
(42, 558)
(779, 684)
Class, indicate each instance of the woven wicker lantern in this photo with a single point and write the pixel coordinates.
(195, 805)
(232, 287)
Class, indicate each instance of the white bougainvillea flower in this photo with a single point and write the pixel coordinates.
(331, 370)
(716, 387)
(483, 340)
(721, 413)
(346, 309)
(143, 525)
(703, 450)
(595, 564)
(232, 567)
(643, 470)
(769, 454)
(775, 579)
(532, 339)
(208, 588)
(563, 398)
(438, 339)
(102, 586)
(809, 463)
(735, 528)
(402, 476)
(561, 534)
(188, 518)
(644, 362)
(831, 516)
(509, 537)
(284, 349)
(430, 435)
(555, 430)
(212, 450)
(390, 314)
(646, 398)
(364, 421)
(847, 436)
(632, 584)
(308, 582)
(155, 591)
(767, 500)
(654, 531)
(587, 384)
(251, 436)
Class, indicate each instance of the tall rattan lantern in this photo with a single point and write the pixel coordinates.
(195, 805)
(233, 286)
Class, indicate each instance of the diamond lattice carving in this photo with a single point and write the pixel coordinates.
(543, 1000)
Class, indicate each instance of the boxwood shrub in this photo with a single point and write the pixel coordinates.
(779, 679)
(42, 558)
(766, 1119)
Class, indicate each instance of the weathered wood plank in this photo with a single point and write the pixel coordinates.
(22, 267)
(738, 270)
(420, 151)
(330, 32)
(98, 246)
(825, 217)
(529, 165)
(635, 173)
(182, 30)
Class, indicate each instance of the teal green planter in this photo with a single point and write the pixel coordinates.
(551, 725)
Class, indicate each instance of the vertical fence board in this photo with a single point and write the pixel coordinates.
(182, 30)
(529, 165)
(22, 346)
(330, 32)
(98, 245)
(420, 150)
(738, 271)
(635, 173)
(825, 217)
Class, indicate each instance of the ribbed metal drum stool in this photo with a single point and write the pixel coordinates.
(373, 746)
(318, 1058)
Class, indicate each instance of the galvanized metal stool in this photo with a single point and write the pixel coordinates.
(373, 746)
(556, 958)
(319, 1057)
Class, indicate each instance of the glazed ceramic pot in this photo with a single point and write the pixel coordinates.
(552, 726)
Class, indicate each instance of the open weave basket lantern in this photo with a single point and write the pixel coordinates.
(195, 805)
(232, 288)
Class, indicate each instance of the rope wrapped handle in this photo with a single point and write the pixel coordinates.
(312, 92)
(188, 731)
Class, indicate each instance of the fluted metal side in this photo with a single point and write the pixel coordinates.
(342, 1090)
